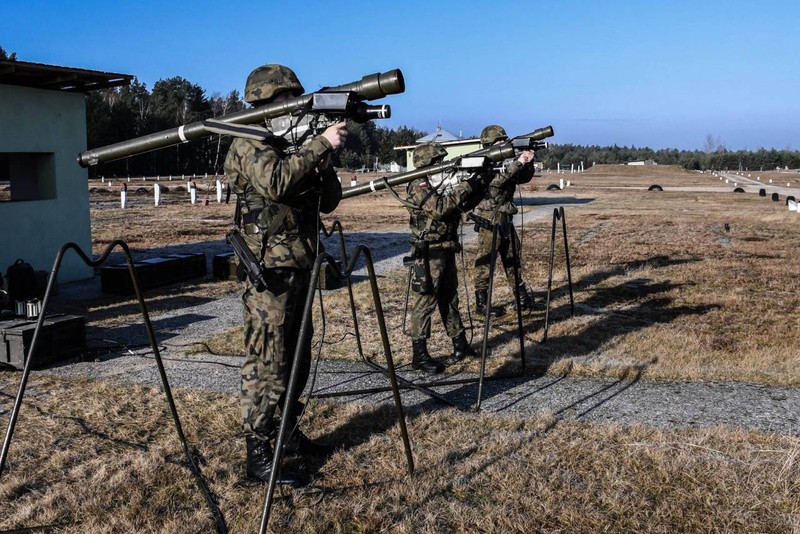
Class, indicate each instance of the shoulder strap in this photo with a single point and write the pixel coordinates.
(276, 221)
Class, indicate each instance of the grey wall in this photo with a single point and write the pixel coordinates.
(41, 121)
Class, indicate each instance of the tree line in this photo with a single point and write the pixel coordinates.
(717, 159)
(122, 113)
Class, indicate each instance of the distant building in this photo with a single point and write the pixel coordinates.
(44, 194)
(455, 146)
(645, 162)
(440, 136)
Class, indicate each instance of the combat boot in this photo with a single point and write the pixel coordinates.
(481, 296)
(461, 349)
(421, 360)
(301, 444)
(526, 300)
(259, 463)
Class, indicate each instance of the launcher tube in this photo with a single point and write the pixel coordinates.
(370, 87)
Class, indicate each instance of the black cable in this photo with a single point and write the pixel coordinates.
(147, 353)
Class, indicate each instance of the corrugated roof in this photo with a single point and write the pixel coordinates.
(57, 78)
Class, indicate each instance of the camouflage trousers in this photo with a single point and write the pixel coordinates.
(505, 252)
(271, 328)
(441, 292)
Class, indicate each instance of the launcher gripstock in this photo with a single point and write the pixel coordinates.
(533, 140)
(369, 87)
(494, 154)
(325, 109)
(526, 143)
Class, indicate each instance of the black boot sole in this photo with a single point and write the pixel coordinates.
(421, 367)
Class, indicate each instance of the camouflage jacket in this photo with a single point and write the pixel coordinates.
(264, 178)
(438, 214)
(498, 200)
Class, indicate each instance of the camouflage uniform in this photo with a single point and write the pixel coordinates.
(265, 178)
(498, 207)
(434, 228)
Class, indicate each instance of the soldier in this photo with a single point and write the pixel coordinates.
(497, 206)
(435, 216)
(280, 197)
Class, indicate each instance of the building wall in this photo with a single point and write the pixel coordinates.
(454, 149)
(51, 125)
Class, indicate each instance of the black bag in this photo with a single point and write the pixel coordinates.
(21, 279)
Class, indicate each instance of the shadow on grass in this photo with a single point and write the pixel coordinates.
(642, 300)
(164, 328)
(551, 200)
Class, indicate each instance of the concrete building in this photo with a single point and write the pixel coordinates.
(455, 146)
(44, 197)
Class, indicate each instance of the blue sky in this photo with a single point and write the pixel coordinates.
(657, 73)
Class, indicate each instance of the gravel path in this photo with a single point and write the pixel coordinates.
(627, 401)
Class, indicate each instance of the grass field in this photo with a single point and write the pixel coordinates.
(113, 464)
(679, 284)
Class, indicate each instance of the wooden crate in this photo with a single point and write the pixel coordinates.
(61, 337)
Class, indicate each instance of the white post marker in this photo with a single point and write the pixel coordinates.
(558, 168)
(568, 183)
(123, 195)
(561, 183)
(219, 192)
(353, 181)
(193, 192)
(770, 180)
(157, 194)
(571, 169)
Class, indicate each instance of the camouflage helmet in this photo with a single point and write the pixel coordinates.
(428, 154)
(268, 80)
(491, 134)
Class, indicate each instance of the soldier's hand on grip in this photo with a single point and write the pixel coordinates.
(336, 134)
(526, 156)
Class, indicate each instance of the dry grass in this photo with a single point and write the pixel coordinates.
(660, 286)
(105, 458)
